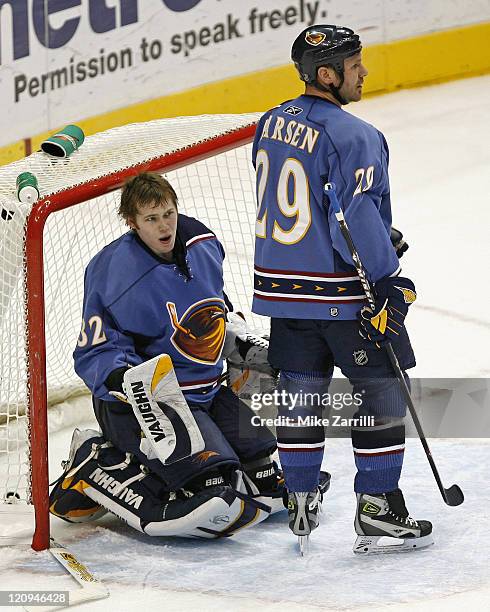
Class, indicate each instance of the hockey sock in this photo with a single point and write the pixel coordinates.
(379, 449)
(301, 440)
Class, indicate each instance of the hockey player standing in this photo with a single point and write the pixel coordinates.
(306, 283)
(177, 454)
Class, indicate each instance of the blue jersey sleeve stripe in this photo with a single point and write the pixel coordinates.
(193, 241)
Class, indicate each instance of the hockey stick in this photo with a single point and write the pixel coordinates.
(452, 496)
(91, 590)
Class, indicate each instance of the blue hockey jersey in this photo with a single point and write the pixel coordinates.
(137, 306)
(303, 268)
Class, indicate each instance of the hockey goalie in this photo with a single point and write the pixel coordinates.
(177, 452)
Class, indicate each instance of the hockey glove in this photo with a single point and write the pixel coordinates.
(252, 353)
(236, 328)
(393, 297)
(398, 243)
(114, 383)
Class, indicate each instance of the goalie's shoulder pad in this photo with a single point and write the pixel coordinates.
(189, 228)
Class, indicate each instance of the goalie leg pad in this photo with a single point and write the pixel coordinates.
(67, 499)
(218, 454)
(107, 480)
(263, 480)
(122, 429)
(212, 513)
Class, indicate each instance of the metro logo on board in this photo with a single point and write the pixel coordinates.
(100, 17)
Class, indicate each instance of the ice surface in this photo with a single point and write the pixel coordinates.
(438, 139)
(261, 567)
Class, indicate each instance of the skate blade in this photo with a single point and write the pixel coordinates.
(375, 545)
(304, 544)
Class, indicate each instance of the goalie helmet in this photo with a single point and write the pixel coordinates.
(323, 45)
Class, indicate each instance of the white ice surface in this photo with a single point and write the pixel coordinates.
(440, 157)
(261, 567)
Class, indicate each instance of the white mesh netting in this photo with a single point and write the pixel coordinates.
(219, 191)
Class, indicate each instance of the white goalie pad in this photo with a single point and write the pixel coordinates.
(165, 418)
(215, 518)
(249, 372)
(204, 515)
(251, 351)
(246, 382)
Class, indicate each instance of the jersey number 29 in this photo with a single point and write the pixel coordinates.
(299, 208)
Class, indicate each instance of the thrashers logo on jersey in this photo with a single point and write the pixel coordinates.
(200, 332)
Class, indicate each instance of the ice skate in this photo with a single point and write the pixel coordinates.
(383, 525)
(304, 509)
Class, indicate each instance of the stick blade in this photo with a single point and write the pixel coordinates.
(453, 496)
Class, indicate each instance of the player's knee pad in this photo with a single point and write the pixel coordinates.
(381, 397)
(382, 415)
(301, 393)
(300, 412)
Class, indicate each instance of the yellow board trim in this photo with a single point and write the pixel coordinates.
(431, 58)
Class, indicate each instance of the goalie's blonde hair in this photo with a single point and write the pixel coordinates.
(145, 190)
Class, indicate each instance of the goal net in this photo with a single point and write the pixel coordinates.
(45, 247)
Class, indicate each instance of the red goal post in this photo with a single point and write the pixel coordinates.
(208, 161)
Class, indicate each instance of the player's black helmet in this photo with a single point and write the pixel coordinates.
(322, 45)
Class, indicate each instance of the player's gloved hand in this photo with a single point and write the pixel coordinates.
(236, 327)
(393, 297)
(252, 352)
(114, 383)
(398, 243)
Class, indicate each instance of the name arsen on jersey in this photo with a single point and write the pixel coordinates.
(291, 132)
